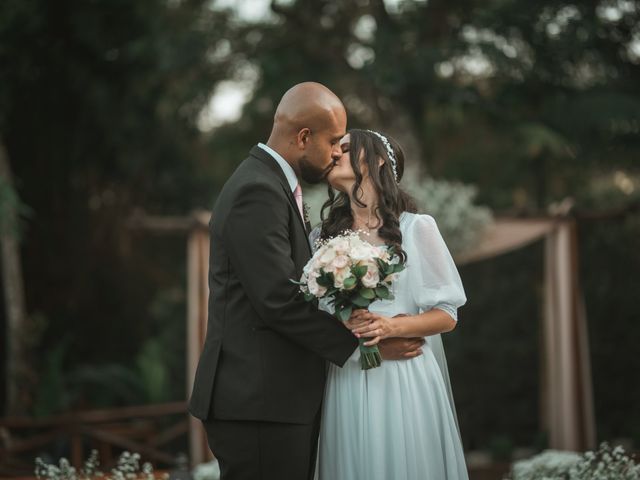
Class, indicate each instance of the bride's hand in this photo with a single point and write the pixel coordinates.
(365, 324)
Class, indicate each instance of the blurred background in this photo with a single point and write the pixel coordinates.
(112, 110)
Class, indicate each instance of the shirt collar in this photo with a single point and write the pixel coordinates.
(284, 165)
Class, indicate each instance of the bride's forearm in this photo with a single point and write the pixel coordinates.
(428, 323)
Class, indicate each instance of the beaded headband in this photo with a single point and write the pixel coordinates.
(390, 153)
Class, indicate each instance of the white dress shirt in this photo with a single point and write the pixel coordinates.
(284, 165)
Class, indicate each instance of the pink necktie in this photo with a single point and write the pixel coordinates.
(297, 193)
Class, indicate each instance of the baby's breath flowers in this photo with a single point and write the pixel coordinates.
(604, 464)
(127, 468)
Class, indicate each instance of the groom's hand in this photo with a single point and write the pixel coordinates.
(400, 348)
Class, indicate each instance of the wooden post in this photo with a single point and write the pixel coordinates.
(197, 300)
(196, 228)
(76, 448)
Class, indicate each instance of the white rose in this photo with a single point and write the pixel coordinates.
(340, 275)
(360, 252)
(340, 261)
(371, 278)
(327, 256)
(341, 245)
(315, 289)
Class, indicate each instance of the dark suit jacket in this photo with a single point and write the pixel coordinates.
(265, 352)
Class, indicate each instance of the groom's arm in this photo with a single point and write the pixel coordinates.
(401, 348)
(256, 236)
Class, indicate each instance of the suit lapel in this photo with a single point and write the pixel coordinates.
(270, 162)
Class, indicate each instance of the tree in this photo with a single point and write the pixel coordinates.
(543, 92)
(98, 112)
(19, 366)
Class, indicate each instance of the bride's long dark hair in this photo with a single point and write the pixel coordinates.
(392, 200)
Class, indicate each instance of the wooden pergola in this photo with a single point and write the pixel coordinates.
(567, 398)
(196, 228)
(567, 411)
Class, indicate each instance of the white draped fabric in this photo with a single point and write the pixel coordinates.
(567, 412)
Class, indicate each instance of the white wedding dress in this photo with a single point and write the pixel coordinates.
(398, 421)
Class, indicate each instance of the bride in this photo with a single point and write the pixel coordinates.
(396, 421)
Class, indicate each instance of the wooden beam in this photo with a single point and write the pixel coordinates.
(97, 416)
(197, 220)
(170, 433)
(17, 446)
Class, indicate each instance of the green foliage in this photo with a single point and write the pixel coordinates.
(52, 395)
(344, 313)
(383, 292)
(368, 293)
(102, 385)
(523, 99)
(156, 374)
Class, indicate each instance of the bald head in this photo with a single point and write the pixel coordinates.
(307, 127)
(308, 104)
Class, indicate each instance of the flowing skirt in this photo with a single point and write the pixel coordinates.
(394, 422)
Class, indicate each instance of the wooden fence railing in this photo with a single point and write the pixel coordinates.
(147, 429)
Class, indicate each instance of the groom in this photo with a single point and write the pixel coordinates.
(260, 379)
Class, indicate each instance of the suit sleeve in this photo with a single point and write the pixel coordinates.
(256, 235)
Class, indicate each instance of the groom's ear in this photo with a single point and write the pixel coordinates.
(302, 139)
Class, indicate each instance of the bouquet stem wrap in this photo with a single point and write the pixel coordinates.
(369, 355)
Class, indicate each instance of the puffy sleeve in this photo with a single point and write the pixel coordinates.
(434, 278)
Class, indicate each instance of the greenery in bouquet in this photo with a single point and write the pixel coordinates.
(351, 274)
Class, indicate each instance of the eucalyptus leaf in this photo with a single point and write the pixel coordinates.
(361, 301)
(350, 282)
(359, 271)
(344, 314)
(368, 293)
(383, 292)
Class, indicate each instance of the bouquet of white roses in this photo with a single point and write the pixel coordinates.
(351, 273)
